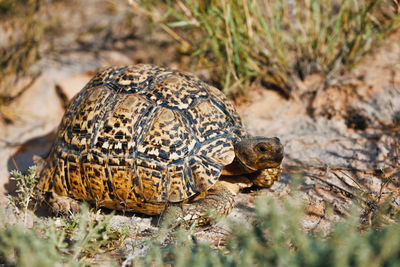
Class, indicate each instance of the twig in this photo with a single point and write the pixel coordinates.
(317, 224)
(15, 163)
(344, 191)
(347, 193)
(353, 187)
(174, 35)
(351, 178)
(6, 99)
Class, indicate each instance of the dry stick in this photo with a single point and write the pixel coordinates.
(353, 187)
(388, 180)
(176, 36)
(317, 224)
(351, 178)
(383, 185)
(347, 193)
(7, 99)
(397, 3)
(15, 163)
(185, 10)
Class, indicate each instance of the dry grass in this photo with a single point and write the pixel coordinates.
(275, 41)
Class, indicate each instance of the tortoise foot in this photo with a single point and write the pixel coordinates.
(218, 202)
(62, 205)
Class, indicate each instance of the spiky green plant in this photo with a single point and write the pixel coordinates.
(70, 241)
(25, 192)
(49, 242)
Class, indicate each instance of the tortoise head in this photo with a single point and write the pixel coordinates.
(259, 153)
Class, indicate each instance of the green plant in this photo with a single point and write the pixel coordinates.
(91, 233)
(25, 191)
(277, 239)
(380, 208)
(23, 32)
(20, 246)
(67, 241)
(276, 41)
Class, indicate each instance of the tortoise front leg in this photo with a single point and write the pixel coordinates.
(266, 177)
(217, 202)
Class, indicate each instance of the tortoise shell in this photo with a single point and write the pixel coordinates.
(136, 137)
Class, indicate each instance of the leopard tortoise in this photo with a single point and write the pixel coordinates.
(141, 138)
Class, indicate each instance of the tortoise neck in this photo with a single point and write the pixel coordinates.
(236, 168)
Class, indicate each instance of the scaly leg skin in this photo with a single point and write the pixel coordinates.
(267, 177)
(218, 202)
(62, 205)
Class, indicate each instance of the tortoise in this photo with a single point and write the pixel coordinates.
(141, 137)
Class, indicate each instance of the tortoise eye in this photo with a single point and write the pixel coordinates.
(262, 148)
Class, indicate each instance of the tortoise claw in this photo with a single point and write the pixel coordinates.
(62, 205)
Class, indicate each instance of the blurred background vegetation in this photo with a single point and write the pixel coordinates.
(276, 42)
(41, 29)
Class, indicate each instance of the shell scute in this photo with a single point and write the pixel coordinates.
(208, 121)
(204, 173)
(139, 136)
(167, 139)
(119, 129)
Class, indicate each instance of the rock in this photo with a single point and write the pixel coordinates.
(115, 58)
(69, 87)
(36, 113)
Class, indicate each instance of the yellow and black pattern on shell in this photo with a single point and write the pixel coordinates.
(137, 137)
